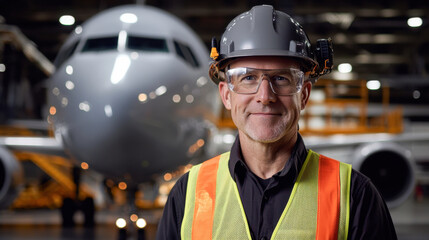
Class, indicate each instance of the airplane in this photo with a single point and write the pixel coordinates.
(130, 94)
(131, 98)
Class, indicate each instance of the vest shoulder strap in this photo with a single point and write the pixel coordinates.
(329, 195)
(202, 183)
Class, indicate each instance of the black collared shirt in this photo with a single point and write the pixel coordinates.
(265, 199)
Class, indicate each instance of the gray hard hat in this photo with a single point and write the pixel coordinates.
(262, 31)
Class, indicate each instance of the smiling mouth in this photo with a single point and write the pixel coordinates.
(266, 114)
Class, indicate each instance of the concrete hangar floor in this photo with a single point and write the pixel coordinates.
(411, 222)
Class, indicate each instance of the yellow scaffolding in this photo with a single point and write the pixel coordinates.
(344, 110)
(51, 194)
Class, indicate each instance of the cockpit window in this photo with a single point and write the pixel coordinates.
(100, 44)
(133, 43)
(147, 44)
(65, 54)
(186, 53)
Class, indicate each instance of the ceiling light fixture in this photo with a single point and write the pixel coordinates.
(373, 84)
(415, 22)
(345, 68)
(67, 20)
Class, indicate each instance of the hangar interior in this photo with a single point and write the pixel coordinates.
(372, 36)
(379, 84)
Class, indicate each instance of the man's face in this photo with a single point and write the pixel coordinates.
(264, 116)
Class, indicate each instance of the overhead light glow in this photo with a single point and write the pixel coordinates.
(84, 106)
(2, 67)
(345, 68)
(84, 166)
(121, 223)
(415, 22)
(67, 20)
(152, 95)
(189, 99)
(202, 81)
(64, 102)
(52, 110)
(200, 142)
(128, 18)
(69, 70)
(176, 98)
(168, 176)
(122, 186)
(416, 94)
(56, 91)
(142, 97)
(228, 138)
(141, 223)
(69, 85)
(134, 217)
(78, 30)
(108, 111)
(134, 55)
(122, 63)
(161, 90)
(373, 84)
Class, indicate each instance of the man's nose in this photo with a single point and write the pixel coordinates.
(265, 93)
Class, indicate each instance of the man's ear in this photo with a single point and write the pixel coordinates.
(225, 94)
(305, 94)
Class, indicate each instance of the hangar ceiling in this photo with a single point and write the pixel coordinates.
(373, 36)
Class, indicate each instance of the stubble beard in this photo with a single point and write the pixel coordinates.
(278, 131)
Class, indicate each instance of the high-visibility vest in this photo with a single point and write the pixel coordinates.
(318, 207)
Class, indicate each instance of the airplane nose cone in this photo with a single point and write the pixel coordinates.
(121, 122)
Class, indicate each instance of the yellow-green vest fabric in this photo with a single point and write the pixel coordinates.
(298, 220)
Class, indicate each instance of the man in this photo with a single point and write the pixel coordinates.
(269, 186)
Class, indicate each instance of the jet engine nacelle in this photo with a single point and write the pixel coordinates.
(390, 167)
(11, 178)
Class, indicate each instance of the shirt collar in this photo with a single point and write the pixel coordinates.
(293, 166)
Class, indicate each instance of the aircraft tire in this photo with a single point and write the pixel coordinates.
(68, 210)
(88, 209)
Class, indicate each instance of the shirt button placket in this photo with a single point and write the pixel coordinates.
(265, 197)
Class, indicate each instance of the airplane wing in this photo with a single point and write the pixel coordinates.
(30, 135)
(351, 140)
(47, 145)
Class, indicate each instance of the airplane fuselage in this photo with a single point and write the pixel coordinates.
(132, 97)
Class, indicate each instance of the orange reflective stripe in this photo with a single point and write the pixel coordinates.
(328, 210)
(205, 195)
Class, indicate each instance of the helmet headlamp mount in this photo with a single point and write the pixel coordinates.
(324, 54)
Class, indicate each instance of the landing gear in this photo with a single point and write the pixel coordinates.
(68, 210)
(132, 225)
(70, 207)
(88, 208)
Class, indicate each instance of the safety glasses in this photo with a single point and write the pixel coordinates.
(283, 82)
